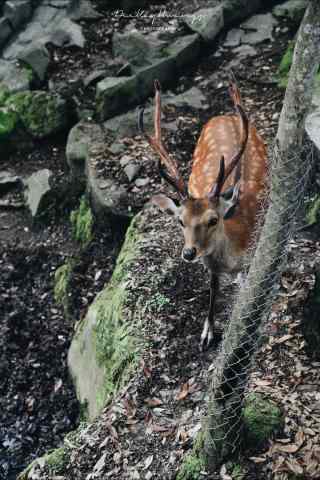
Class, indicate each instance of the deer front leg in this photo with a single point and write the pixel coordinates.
(208, 328)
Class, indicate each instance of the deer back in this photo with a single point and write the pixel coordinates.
(221, 137)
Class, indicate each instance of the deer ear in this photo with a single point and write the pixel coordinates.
(166, 204)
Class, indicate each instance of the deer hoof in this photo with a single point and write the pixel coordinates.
(206, 337)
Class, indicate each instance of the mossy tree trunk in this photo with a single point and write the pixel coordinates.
(223, 423)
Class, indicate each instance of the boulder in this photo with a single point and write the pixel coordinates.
(38, 191)
(106, 341)
(5, 30)
(292, 9)
(136, 48)
(259, 29)
(42, 114)
(17, 12)
(86, 143)
(207, 22)
(37, 58)
(13, 77)
(115, 94)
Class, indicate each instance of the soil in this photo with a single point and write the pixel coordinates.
(37, 401)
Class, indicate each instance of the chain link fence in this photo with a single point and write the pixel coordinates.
(253, 302)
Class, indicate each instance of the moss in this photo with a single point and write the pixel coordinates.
(4, 94)
(313, 211)
(8, 123)
(261, 419)
(42, 114)
(238, 472)
(82, 223)
(62, 279)
(56, 460)
(116, 345)
(157, 303)
(191, 468)
(285, 65)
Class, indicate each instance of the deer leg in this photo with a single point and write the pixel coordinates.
(208, 328)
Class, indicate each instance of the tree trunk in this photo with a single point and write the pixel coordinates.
(222, 427)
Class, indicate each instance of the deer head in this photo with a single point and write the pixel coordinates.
(201, 219)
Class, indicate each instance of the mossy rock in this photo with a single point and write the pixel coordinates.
(313, 213)
(8, 124)
(62, 278)
(106, 345)
(262, 418)
(191, 468)
(42, 114)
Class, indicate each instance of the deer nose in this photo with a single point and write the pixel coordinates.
(189, 254)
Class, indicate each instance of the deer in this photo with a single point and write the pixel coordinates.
(218, 211)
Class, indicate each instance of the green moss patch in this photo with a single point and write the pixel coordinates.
(313, 213)
(62, 278)
(82, 221)
(41, 113)
(285, 65)
(8, 123)
(191, 468)
(262, 418)
(106, 341)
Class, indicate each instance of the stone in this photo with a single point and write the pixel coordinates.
(126, 125)
(312, 127)
(135, 48)
(79, 141)
(142, 182)
(124, 71)
(17, 12)
(94, 77)
(242, 52)
(36, 57)
(207, 22)
(260, 28)
(5, 30)
(37, 191)
(83, 10)
(13, 77)
(132, 170)
(190, 98)
(8, 181)
(233, 38)
(67, 34)
(42, 114)
(114, 94)
(292, 9)
(184, 50)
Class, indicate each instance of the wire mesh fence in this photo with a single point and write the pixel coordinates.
(252, 303)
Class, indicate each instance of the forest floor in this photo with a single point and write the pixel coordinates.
(37, 401)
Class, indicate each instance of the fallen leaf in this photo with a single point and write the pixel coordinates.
(184, 392)
(153, 402)
(283, 339)
(294, 466)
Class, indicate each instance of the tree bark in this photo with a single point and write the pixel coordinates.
(222, 427)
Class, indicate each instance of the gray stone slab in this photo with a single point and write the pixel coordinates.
(292, 9)
(233, 38)
(207, 22)
(37, 57)
(259, 28)
(37, 189)
(17, 12)
(13, 77)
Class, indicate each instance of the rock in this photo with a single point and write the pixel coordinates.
(242, 52)
(41, 114)
(262, 418)
(184, 50)
(125, 160)
(13, 77)
(67, 34)
(292, 9)
(83, 10)
(260, 29)
(86, 142)
(117, 147)
(142, 182)
(38, 191)
(236, 10)
(7, 181)
(191, 98)
(37, 57)
(126, 125)
(132, 170)
(94, 77)
(233, 38)
(207, 22)
(5, 30)
(136, 48)
(114, 94)
(124, 71)
(312, 126)
(17, 12)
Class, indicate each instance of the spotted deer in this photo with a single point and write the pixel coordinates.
(218, 210)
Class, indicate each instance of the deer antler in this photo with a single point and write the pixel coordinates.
(224, 172)
(172, 175)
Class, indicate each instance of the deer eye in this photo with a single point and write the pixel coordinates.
(181, 222)
(212, 222)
